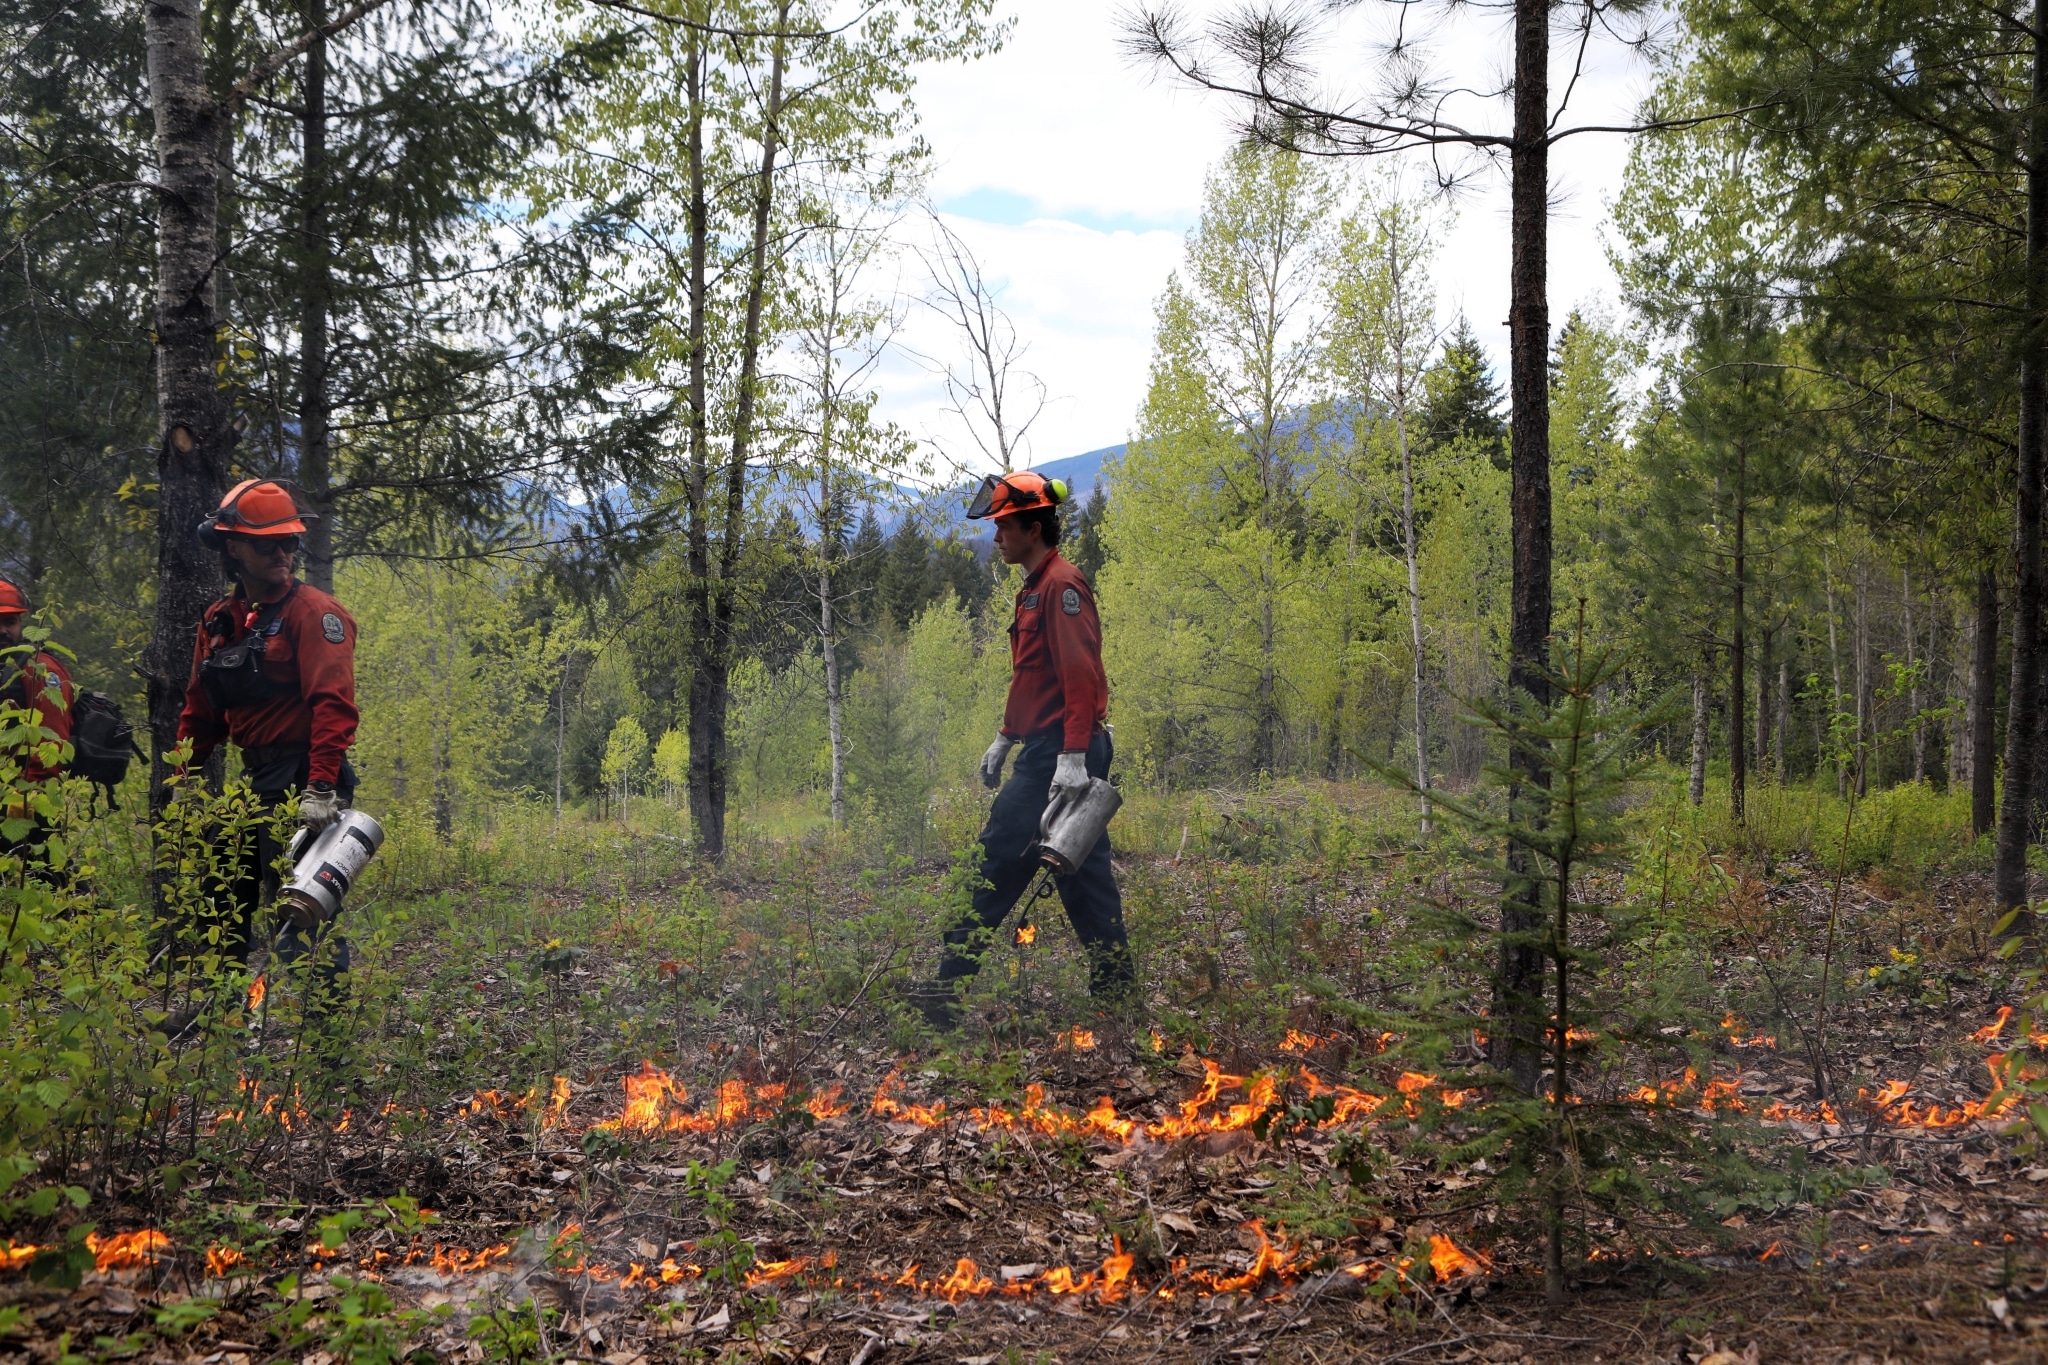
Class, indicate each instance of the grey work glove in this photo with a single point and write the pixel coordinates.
(1069, 779)
(992, 761)
(319, 806)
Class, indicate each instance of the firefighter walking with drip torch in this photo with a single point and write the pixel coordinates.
(1059, 697)
(273, 672)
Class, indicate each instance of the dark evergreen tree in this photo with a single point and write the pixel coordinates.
(860, 572)
(1462, 402)
(1081, 537)
(780, 627)
(905, 584)
(965, 572)
(387, 386)
(1723, 455)
(77, 411)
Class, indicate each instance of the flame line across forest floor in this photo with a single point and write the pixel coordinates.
(1119, 1204)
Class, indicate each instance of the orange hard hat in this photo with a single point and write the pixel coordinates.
(12, 603)
(1005, 495)
(254, 507)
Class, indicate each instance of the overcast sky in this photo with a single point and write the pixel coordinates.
(1074, 176)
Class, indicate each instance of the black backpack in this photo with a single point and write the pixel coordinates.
(102, 742)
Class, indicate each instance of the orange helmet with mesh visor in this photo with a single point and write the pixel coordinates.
(1005, 495)
(253, 507)
(12, 603)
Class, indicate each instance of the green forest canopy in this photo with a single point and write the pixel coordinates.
(1782, 479)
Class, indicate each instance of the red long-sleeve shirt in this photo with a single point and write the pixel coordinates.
(1056, 682)
(314, 650)
(44, 686)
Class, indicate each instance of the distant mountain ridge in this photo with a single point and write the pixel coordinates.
(944, 510)
(1082, 472)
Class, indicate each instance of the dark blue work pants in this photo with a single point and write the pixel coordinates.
(252, 885)
(1094, 906)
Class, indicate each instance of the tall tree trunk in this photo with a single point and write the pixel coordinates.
(1963, 705)
(828, 544)
(1696, 778)
(1265, 723)
(1738, 677)
(316, 475)
(1866, 719)
(441, 656)
(1408, 547)
(1518, 994)
(1833, 662)
(561, 733)
(1913, 699)
(2023, 691)
(709, 833)
(194, 436)
(710, 682)
(1340, 700)
(222, 16)
(835, 709)
(828, 624)
(2039, 785)
(1760, 755)
(1333, 765)
(1983, 709)
(1784, 700)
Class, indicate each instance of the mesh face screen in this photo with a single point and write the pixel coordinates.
(984, 497)
(1014, 498)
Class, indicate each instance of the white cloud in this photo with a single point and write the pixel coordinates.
(1072, 173)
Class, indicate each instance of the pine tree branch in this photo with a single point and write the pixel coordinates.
(21, 239)
(1155, 35)
(280, 57)
(718, 31)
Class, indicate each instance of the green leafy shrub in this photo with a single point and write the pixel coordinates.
(122, 1010)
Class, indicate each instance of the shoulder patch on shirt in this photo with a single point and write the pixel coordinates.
(331, 627)
(1070, 601)
(1030, 600)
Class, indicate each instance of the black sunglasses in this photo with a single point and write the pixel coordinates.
(273, 546)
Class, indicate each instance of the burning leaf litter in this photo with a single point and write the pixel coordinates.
(1223, 1103)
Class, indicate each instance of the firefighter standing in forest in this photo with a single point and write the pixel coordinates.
(39, 682)
(1059, 696)
(273, 671)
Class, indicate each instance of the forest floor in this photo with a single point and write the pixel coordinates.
(837, 1198)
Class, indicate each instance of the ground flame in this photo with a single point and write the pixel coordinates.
(768, 1272)
(655, 1100)
(126, 1250)
(1731, 1027)
(966, 1279)
(1281, 1261)
(1989, 1033)
(1447, 1261)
